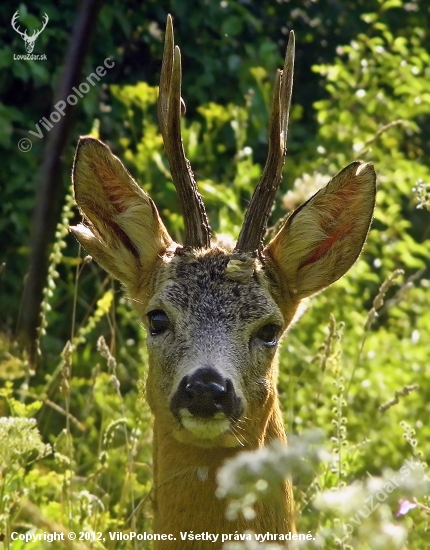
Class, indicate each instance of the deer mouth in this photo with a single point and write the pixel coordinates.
(205, 428)
(212, 432)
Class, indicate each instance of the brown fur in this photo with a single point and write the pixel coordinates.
(216, 301)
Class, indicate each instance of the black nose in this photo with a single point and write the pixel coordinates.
(204, 393)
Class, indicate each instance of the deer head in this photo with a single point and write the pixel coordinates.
(28, 40)
(215, 316)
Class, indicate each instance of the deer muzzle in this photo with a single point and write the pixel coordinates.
(206, 403)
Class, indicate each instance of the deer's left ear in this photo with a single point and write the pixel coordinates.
(322, 239)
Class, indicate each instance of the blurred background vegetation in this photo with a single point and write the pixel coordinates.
(360, 92)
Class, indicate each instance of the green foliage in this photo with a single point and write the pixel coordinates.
(422, 194)
(20, 446)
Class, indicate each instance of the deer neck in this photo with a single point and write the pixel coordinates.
(185, 486)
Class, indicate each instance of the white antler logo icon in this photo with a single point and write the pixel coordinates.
(28, 40)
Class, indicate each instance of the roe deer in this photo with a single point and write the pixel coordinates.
(215, 315)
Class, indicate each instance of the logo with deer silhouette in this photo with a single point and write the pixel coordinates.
(29, 41)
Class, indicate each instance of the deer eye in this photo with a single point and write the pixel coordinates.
(158, 322)
(268, 335)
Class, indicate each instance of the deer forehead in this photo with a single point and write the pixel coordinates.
(210, 287)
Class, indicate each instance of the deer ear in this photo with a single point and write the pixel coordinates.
(124, 232)
(322, 239)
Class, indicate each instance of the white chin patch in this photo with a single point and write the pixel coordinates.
(205, 428)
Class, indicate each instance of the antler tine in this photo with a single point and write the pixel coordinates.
(254, 226)
(197, 230)
(14, 19)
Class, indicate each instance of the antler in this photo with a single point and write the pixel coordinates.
(36, 33)
(197, 230)
(15, 28)
(253, 229)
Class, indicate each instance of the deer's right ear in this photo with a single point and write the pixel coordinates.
(124, 232)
